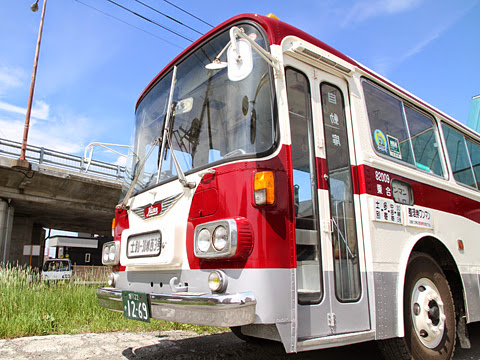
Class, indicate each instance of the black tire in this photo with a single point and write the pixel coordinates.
(429, 314)
(237, 330)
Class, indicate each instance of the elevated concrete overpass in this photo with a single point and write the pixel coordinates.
(55, 193)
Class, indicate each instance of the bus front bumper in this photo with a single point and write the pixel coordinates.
(223, 310)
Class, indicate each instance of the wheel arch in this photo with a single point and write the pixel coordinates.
(432, 246)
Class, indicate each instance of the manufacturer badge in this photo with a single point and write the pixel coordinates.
(158, 208)
(152, 210)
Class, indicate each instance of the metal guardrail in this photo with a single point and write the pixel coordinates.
(41, 155)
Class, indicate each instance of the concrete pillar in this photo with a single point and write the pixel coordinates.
(38, 238)
(25, 232)
(6, 225)
(21, 235)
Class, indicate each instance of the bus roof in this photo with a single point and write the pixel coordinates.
(276, 31)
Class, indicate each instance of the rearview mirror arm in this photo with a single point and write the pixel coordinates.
(269, 58)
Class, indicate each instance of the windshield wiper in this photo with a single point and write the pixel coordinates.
(166, 141)
(165, 136)
(138, 171)
(123, 205)
(180, 173)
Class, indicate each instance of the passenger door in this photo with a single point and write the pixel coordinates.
(331, 288)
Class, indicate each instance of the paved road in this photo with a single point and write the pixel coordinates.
(179, 345)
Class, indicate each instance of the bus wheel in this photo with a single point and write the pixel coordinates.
(429, 311)
(237, 330)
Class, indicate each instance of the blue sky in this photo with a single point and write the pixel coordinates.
(93, 67)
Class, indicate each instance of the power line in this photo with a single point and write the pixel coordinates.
(169, 17)
(151, 21)
(186, 12)
(113, 17)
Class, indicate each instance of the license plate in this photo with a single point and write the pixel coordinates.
(135, 306)
(144, 245)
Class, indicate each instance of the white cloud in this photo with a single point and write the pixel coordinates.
(121, 160)
(384, 65)
(396, 6)
(50, 137)
(10, 78)
(52, 127)
(66, 132)
(12, 108)
(417, 48)
(12, 129)
(364, 10)
(40, 109)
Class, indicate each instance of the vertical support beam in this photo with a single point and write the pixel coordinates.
(38, 238)
(6, 217)
(3, 229)
(21, 235)
(32, 86)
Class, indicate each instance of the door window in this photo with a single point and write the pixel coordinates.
(309, 279)
(344, 236)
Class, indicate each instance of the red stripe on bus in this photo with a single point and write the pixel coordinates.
(369, 180)
(425, 195)
(321, 172)
(323, 182)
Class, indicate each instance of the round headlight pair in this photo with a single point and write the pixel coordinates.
(219, 239)
(109, 254)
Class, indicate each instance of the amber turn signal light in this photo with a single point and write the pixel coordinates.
(264, 188)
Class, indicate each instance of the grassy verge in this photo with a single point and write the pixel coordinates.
(30, 308)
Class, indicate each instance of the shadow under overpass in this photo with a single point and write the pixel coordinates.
(51, 197)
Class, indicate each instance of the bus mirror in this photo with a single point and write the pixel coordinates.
(240, 60)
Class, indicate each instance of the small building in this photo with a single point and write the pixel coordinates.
(80, 250)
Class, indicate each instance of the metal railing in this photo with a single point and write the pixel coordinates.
(41, 155)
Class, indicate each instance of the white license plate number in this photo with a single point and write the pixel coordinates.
(144, 245)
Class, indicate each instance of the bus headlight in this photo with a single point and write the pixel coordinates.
(230, 238)
(203, 240)
(217, 281)
(220, 238)
(111, 253)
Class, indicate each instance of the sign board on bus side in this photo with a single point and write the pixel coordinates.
(388, 211)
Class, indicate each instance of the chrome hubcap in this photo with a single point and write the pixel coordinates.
(428, 315)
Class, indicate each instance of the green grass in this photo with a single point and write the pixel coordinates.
(31, 307)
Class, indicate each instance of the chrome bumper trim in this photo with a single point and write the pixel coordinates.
(210, 309)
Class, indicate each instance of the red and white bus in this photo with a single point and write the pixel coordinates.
(282, 189)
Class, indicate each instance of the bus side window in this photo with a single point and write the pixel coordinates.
(424, 141)
(474, 151)
(387, 124)
(401, 132)
(459, 157)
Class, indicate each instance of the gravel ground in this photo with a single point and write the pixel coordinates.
(178, 345)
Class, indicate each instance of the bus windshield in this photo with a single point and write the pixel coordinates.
(214, 119)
